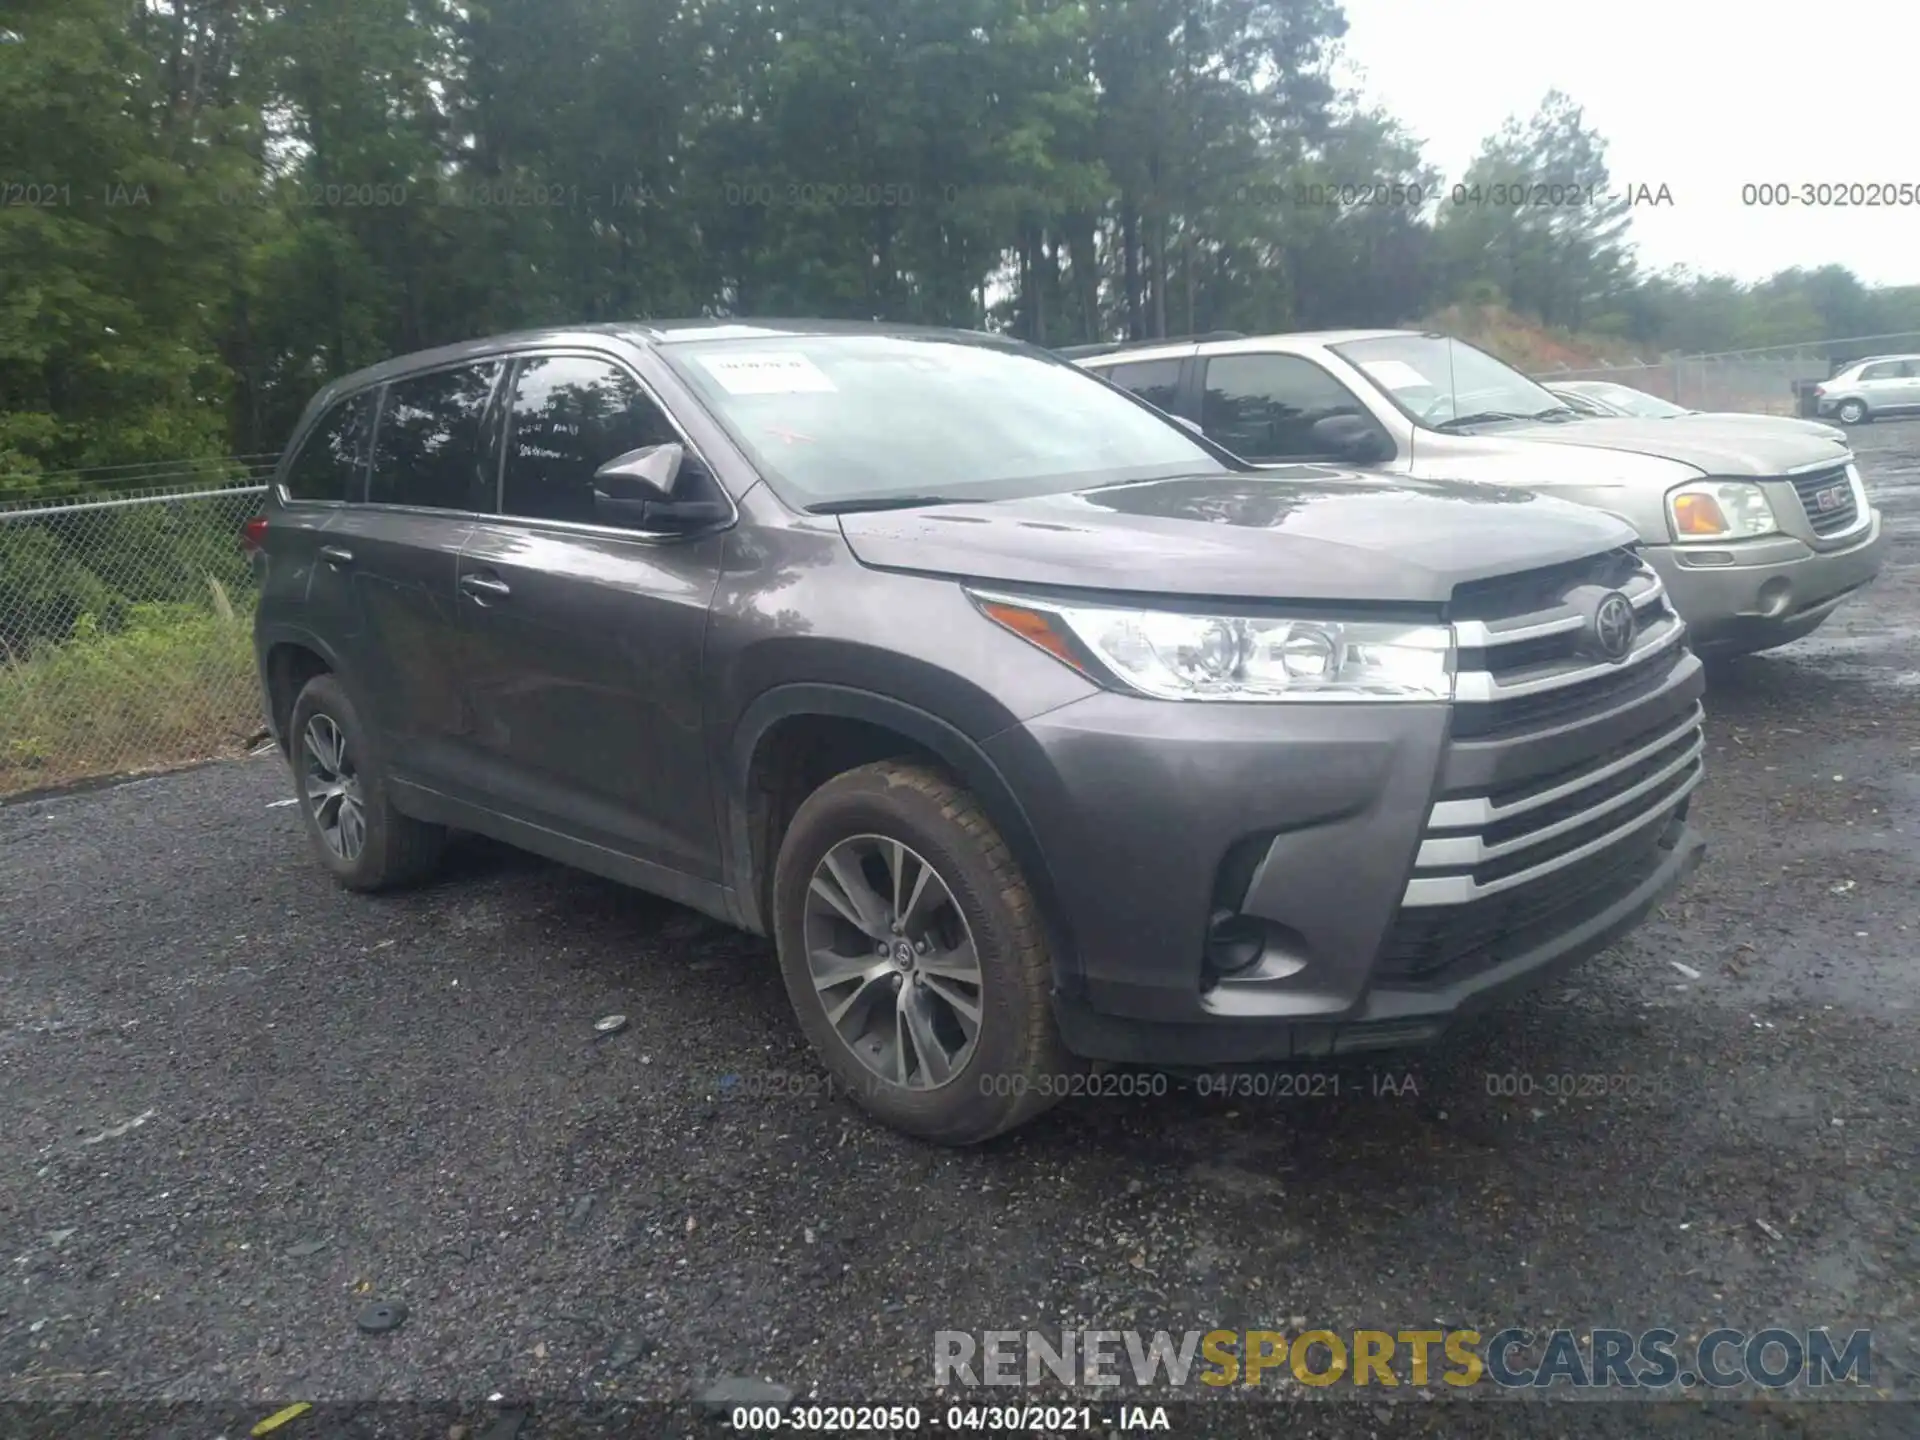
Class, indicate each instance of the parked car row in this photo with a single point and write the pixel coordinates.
(1038, 730)
(1759, 531)
(1605, 397)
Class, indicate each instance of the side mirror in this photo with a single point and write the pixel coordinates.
(1351, 438)
(640, 475)
(640, 491)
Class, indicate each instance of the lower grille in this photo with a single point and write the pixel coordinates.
(1451, 942)
(1476, 846)
(1829, 500)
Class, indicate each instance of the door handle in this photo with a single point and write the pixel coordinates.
(334, 555)
(485, 588)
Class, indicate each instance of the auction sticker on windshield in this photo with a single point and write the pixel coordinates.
(767, 372)
(1396, 375)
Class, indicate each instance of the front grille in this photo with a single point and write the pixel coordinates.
(1828, 499)
(1530, 683)
(1523, 670)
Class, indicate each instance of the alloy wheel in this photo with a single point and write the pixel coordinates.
(894, 962)
(332, 789)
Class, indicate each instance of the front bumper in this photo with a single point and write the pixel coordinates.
(1314, 824)
(1764, 593)
(1392, 1015)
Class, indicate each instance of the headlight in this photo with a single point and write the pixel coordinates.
(1171, 655)
(1719, 510)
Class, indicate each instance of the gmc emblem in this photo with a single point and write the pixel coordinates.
(1831, 498)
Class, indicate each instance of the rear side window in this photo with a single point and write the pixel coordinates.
(1155, 381)
(330, 459)
(570, 415)
(1885, 370)
(428, 448)
(1264, 407)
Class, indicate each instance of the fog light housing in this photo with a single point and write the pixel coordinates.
(1235, 943)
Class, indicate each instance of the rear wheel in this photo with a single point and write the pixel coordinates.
(349, 814)
(914, 956)
(1852, 412)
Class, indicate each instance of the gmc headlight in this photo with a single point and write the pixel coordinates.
(1719, 510)
(1173, 655)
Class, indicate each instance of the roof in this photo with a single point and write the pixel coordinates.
(638, 332)
(1149, 350)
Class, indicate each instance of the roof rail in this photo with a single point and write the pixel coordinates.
(1112, 347)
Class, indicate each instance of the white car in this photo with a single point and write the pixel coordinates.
(1870, 388)
(1605, 397)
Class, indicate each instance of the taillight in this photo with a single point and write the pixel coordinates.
(253, 534)
(1820, 390)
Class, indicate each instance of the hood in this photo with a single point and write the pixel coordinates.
(1296, 534)
(1739, 420)
(1712, 449)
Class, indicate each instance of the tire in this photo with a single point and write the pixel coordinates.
(1852, 412)
(930, 1079)
(389, 849)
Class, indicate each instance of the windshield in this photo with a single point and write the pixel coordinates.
(1636, 402)
(1439, 381)
(853, 419)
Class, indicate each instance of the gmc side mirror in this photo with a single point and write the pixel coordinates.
(1351, 438)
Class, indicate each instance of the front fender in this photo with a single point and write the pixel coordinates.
(956, 749)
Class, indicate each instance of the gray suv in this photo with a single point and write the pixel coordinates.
(1036, 731)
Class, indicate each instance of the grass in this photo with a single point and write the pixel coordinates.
(172, 683)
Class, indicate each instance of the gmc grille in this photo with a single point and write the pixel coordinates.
(1828, 497)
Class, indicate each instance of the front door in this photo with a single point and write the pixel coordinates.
(585, 640)
(1264, 407)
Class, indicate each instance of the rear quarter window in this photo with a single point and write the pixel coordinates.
(328, 465)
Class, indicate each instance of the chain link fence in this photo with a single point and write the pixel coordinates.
(125, 632)
(1767, 381)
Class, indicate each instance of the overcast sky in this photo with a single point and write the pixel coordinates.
(1704, 96)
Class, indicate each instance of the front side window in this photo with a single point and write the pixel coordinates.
(1264, 407)
(1155, 381)
(864, 419)
(569, 416)
(331, 458)
(1444, 383)
(428, 448)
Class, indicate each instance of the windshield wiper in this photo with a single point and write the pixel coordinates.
(860, 505)
(1555, 412)
(1479, 417)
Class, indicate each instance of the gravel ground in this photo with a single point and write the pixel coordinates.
(244, 1104)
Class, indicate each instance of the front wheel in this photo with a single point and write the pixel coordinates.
(1852, 412)
(915, 958)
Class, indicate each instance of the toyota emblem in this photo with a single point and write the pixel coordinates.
(1613, 626)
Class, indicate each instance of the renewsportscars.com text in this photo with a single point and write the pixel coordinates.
(1600, 1358)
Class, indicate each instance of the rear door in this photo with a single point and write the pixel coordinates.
(585, 638)
(429, 473)
(1882, 385)
(303, 589)
(1158, 382)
